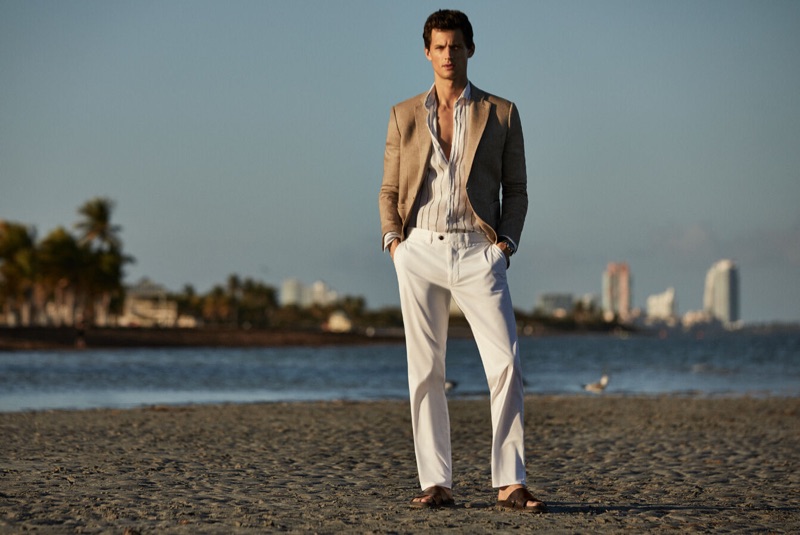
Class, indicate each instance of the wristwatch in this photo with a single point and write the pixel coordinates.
(509, 247)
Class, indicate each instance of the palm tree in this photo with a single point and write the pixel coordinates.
(234, 291)
(97, 227)
(62, 264)
(17, 269)
(257, 303)
(108, 275)
(189, 303)
(106, 259)
(216, 305)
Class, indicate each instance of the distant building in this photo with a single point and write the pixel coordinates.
(721, 296)
(147, 305)
(291, 292)
(338, 322)
(695, 318)
(294, 292)
(661, 307)
(321, 294)
(559, 305)
(617, 291)
(589, 302)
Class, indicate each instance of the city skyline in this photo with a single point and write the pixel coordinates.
(721, 295)
(248, 138)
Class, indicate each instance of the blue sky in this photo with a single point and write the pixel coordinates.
(247, 137)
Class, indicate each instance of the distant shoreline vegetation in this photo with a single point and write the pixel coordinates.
(75, 280)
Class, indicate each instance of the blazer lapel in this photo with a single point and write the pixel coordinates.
(479, 109)
(424, 141)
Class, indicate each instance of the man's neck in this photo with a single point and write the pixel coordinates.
(448, 91)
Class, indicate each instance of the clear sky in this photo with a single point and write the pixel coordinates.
(247, 137)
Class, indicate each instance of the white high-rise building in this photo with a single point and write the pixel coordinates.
(721, 296)
(292, 292)
(661, 307)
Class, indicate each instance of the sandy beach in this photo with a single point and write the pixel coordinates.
(603, 464)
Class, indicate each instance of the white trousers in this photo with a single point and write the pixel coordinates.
(432, 268)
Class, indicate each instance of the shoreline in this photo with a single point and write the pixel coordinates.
(602, 463)
(67, 338)
(64, 338)
(469, 398)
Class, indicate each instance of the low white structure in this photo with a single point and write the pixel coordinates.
(147, 305)
(339, 322)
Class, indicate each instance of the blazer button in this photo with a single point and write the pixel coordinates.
(441, 237)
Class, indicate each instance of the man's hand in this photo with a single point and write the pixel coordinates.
(506, 251)
(393, 247)
(504, 247)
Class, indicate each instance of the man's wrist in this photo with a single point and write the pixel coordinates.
(508, 246)
(389, 238)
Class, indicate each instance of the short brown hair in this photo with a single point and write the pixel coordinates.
(448, 19)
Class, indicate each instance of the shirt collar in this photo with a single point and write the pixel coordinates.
(430, 98)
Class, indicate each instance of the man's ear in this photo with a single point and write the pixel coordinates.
(471, 51)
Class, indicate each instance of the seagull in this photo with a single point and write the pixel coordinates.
(449, 386)
(598, 387)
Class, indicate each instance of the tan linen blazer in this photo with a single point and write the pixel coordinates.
(494, 160)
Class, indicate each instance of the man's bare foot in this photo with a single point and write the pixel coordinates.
(523, 499)
(435, 496)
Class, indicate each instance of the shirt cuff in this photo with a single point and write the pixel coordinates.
(388, 238)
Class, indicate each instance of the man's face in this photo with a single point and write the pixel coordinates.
(448, 54)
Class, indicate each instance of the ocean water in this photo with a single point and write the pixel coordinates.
(731, 364)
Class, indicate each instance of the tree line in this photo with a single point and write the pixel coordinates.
(65, 278)
(77, 279)
(251, 304)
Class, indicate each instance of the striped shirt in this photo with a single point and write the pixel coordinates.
(441, 204)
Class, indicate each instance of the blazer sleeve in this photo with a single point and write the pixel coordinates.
(514, 180)
(390, 187)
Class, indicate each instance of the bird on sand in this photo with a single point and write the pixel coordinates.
(599, 386)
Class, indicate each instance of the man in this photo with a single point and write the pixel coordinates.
(452, 205)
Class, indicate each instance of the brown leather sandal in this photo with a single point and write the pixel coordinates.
(519, 500)
(438, 498)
